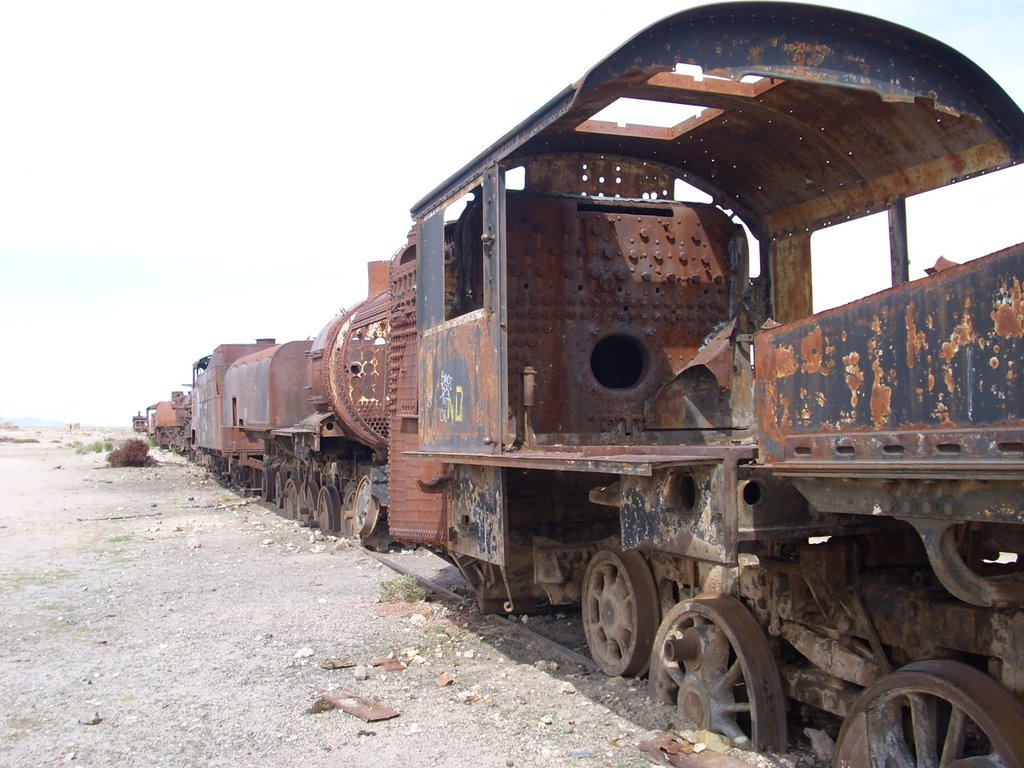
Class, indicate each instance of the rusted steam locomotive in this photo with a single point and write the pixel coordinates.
(569, 385)
(168, 422)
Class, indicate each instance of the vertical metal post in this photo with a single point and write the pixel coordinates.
(495, 297)
(790, 275)
(899, 257)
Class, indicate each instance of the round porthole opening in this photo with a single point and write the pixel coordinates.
(617, 362)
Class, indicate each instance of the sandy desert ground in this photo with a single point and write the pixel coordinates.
(151, 617)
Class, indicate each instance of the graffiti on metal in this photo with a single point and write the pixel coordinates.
(452, 398)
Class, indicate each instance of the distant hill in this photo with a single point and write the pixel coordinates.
(31, 421)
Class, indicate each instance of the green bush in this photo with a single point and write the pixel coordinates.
(402, 589)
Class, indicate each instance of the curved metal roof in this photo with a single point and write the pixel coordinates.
(810, 115)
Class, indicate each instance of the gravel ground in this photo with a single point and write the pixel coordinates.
(151, 617)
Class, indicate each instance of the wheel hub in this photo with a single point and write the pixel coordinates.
(694, 704)
(608, 613)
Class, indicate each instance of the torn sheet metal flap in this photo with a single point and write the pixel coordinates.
(366, 710)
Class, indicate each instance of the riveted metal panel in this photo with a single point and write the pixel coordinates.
(928, 371)
(413, 516)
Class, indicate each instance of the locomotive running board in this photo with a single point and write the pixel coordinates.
(611, 460)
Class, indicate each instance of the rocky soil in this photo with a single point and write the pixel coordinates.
(150, 617)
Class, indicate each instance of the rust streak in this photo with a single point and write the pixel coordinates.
(811, 350)
(854, 376)
(961, 336)
(915, 339)
(785, 359)
(1009, 313)
(881, 396)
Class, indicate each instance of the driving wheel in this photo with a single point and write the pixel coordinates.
(366, 508)
(328, 509)
(290, 500)
(307, 507)
(933, 714)
(712, 660)
(620, 612)
(268, 484)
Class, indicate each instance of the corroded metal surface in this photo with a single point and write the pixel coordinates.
(791, 152)
(924, 373)
(934, 712)
(208, 425)
(639, 288)
(348, 367)
(264, 390)
(413, 516)
(477, 518)
(169, 422)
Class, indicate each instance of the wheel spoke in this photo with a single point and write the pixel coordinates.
(675, 673)
(981, 761)
(715, 658)
(892, 752)
(732, 676)
(737, 707)
(730, 728)
(954, 742)
(923, 713)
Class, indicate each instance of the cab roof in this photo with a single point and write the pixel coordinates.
(793, 116)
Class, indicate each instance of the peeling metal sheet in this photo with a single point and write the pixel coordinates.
(477, 522)
(928, 371)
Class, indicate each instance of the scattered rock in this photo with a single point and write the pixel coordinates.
(821, 743)
(303, 653)
(713, 741)
(337, 663)
(568, 689)
(361, 672)
(444, 680)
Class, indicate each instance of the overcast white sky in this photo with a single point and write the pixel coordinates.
(178, 175)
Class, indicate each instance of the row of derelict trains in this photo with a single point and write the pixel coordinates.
(575, 384)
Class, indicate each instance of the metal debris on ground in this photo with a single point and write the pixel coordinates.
(366, 710)
(338, 663)
(388, 665)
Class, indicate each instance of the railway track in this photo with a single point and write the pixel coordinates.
(562, 651)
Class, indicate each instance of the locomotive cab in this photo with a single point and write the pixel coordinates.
(621, 312)
(587, 389)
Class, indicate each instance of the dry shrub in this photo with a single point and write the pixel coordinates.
(402, 589)
(131, 453)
